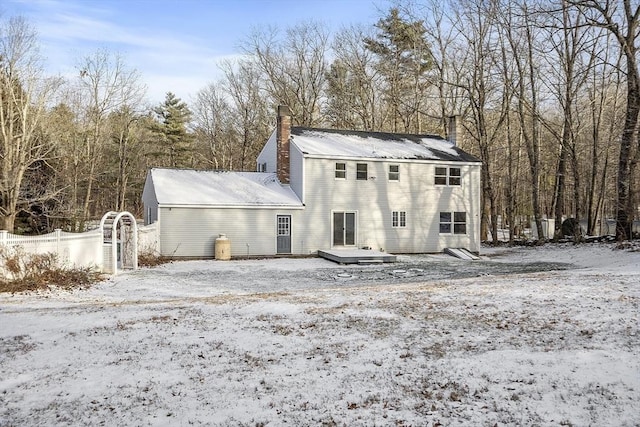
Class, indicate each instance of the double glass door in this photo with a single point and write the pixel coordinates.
(344, 229)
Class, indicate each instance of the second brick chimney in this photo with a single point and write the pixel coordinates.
(283, 133)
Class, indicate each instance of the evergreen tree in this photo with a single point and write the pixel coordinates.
(404, 58)
(340, 100)
(174, 116)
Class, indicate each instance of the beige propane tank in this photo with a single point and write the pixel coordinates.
(223, 248)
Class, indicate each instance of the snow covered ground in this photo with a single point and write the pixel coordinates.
(525, 336)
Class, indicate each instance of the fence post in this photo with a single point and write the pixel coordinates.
(4, 234)
(58, 232)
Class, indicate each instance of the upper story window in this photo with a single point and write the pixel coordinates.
(341, 171)
(361, 171)
(447, 176)
(398, 219)
(454, 176)
(456, 221)
(394, 172)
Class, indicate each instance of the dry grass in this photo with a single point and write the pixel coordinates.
(31, 272)
(151, 259)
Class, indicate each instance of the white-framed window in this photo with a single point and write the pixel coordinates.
(394, 172)
(454, 176)
(341, 170)
(445, 222)
(262, 167)
(398, 219)
(361, 171)
(447, 176)
(459, 223)
(453, 221)
(284, 226)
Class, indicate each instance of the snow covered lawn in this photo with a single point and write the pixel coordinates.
(427, 341)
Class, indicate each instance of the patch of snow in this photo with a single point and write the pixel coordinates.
(214, 188)
(317, 142)
(280, 341)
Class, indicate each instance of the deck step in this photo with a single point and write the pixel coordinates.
(461, 253)
(356, 256)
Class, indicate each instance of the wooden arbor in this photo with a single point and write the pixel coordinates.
(120, 241)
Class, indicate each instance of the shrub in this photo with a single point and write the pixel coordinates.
(151, 259)
(21, 271)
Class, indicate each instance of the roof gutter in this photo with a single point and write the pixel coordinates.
(338, 158)
(288, 207)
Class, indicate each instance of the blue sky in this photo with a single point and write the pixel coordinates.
(175, 45)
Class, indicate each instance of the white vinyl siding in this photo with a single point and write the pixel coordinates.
(296, 172)
(375, 201)
(192, 232)
(149, 201)
(268, 155)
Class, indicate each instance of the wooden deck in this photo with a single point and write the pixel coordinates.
(356, 256)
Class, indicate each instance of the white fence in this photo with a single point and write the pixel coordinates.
(72, 249)
(82, 250)
(148, 239)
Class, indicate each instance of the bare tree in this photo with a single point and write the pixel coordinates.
(210, 112)
(252, 127)
(570, 55)
(106, 85)
(622, 19)
(128, 133)
(519, 31)
(353, 89)
(294, 66)
(487, 98)
(602, 109)
(24, 95)
(445, 35)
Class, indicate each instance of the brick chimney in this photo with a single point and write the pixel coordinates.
(283, 133)
(454, 129)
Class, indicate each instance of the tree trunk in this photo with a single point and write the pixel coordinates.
(560, 187)
(624, 160)
(7, 222)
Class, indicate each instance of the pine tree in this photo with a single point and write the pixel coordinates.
(404, 58)
(174, 116)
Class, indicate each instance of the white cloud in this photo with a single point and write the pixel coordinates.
(168, 59)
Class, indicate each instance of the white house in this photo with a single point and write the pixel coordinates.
(320, 189)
